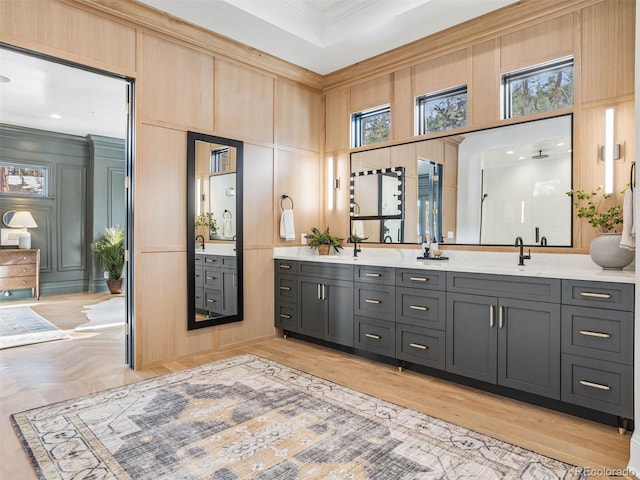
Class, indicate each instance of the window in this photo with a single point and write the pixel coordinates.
(22, 179)
(371, 126)
(442, 110)
(219, 160)
(538, 89)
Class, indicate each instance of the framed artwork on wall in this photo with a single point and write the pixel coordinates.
(23, 179)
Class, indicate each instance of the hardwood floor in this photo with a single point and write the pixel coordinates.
(36, 375)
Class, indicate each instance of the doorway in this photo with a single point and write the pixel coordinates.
(75, 124)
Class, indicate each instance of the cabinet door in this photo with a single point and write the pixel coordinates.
(471, 336)
(529, 346)
(338, 294)
(313, 309)
(229, 292)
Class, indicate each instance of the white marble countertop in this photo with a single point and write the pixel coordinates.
(548, 265)
(227, 249)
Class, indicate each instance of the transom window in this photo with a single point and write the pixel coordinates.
(371, 126)
(442, 110)
(538, 89)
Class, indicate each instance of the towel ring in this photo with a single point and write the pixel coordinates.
(356, 208)
(632, 180)
(283, 198)
(224, 215)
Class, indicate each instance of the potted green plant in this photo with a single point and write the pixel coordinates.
(604, 216)
(205, 219)
(110, 251)
(323, 241)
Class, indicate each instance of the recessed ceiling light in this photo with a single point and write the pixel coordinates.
(509, 152)
(561, 144)
(4, 79)
(55, 115)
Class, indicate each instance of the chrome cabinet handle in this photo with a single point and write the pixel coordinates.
(417, 345)
(282, 315)
(286, 289)
(376, 302)
(211, 278)
(595, 295)
(324, 296)
(599, 386)
(371, 335)
(418, 279)
(319, 297)
(284, 265)
(589, 333)
(372, 275)
(491, 316)
(418, 307)
(501, 316)
(210, 301)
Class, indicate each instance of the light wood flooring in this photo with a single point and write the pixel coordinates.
(36, 375)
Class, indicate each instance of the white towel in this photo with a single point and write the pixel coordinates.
(227, 228)
(287, 228)
(628, 239)
(357, 230)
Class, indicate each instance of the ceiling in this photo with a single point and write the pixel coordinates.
(320, 35)
(326, 35)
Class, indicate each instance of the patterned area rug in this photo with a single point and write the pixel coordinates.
(22, 326)
(104, 314)
(252, 418)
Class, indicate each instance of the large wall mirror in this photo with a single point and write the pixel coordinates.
(479, 188)
(214, 230)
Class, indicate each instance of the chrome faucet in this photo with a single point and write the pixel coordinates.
(522, 257)
(202, 243)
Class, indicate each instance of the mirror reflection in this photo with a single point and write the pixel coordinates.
(478, 188)
(214, 217)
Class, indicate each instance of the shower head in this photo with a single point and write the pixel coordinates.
(539, 156)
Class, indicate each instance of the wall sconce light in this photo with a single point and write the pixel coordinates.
(23, 219)
(332, 183)
(610, 151)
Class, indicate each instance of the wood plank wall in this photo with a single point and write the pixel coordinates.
(292, 120)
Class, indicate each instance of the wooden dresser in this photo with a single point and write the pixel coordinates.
(20, 269)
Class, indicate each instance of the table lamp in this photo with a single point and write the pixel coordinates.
(23, 219)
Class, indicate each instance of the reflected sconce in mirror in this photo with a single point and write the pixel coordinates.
(23, 219)
(610, 151)
(333, 183)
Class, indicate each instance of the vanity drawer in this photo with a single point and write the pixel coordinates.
(286, 288)
(211, 261)
(596, 384)
(419, 278)
(422, 346)
(372, 335)
(376, 301)
(372, 274)
(505, 286)
(212, 278)
(326, 270)
(286, 266)
(199, 259)
(229, 262)
(286, 317)
(199, 298)
(421, 308)
(598, 333)
(212, 300)
(616, 296)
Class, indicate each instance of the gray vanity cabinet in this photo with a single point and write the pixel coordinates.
(503, 338)
(325, 302)
(286, 295)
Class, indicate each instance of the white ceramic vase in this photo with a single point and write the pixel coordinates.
(606, 252)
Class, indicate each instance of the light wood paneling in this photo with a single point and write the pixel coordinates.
(370, 94)
(444, 72)
(484, 91)
(299, 116)
(258, 209)
(402, 155)
(337, 120)
(299, 175)
(539, 43)
(161, 189)
(244, 103)
(371, 159)
(55, 28)
(177, 84)
(258, 301)
(161, 310)
(402, 107)
(608, 50)
(339, 217)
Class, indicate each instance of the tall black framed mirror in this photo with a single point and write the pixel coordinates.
(214, 230)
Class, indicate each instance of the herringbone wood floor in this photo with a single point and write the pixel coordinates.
(36, 375)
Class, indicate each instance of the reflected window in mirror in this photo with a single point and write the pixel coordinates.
(485, 187)
(214, 230)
